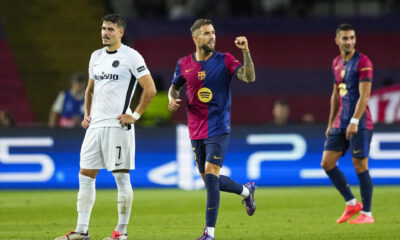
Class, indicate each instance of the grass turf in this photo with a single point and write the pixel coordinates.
(282, 213)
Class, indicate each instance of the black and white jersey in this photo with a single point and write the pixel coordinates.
(115, 77)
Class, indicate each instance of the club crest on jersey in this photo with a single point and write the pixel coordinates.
(201, 75)
(204, 94)
(342, 73)
(115, 63)
(342, 89)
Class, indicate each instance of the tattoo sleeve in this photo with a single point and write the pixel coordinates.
(173, 92)
(246, 72)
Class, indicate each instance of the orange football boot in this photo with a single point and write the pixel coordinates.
(362, 219)
(349, 212)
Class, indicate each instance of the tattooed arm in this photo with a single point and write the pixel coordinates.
(246, 72)
(174, 100)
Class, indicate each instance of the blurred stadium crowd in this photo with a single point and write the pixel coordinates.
(292, 44)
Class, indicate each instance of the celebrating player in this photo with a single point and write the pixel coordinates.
(350, 124)
(208, 74)
(109, 143)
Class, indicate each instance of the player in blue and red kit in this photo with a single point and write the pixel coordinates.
(207, 74)
(350, 124)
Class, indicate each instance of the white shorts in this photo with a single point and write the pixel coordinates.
(108, 148)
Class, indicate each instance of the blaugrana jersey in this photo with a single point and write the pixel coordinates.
(348, 75)
(208, 92)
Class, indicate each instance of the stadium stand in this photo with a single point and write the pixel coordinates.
(292, 58)
(12, 92)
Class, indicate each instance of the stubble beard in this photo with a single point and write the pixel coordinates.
(207, 49)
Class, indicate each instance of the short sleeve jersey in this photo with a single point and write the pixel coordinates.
(347, 76)
(208, 92)
(115, 76)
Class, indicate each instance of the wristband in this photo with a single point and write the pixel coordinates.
(136, 116)
(354, 121)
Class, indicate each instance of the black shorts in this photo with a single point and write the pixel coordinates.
(212, 149)
(359, 144)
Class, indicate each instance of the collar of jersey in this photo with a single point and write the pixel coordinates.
(112, 52)
(355, 53)
(194, 57)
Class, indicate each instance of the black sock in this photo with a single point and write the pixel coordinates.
(212, 185)
(366, 189)
(226, 184)
(340, 182)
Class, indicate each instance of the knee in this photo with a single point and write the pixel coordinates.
(327, 166)
(360, 165)
(212, 169)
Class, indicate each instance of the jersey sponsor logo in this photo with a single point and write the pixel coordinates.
(201, 75)
(342, 73)
(337, 67)
(215, 157)
(115, 63)
(188, 70)
(205, 94)
(342, 89)
(356, 151)
(141, 68)
(106, 77)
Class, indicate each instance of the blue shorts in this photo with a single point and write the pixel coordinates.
(359, 143)
(211, 150)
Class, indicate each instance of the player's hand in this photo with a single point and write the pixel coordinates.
(126, 119)
(241, 43)
(174, 104)
(86, 122)
(328, 130)
(351, 130)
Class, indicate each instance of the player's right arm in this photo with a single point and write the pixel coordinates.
(88, 103)
(174, 100)
(173, 92)
(333, 109)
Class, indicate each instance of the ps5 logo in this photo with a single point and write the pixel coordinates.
(43, 160)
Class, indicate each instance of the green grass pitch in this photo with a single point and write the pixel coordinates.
(282, 213)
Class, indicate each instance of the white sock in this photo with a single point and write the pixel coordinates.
(86, 198)
(351, 202)
(369, 214)
(125, 198)
(245, 192)
(210, 231)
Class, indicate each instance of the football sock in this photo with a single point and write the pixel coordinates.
(86, 198)
(210, 231)
(351, 202)
(366, 190)
(212, 186)
(340, 182)
(125, 198)
(369, 214)
(226, 184)
(245, 192)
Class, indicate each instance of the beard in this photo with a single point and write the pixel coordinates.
(206, 48)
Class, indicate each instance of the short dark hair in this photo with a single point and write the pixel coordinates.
(116, 19)
(199, 23)
(344, 27)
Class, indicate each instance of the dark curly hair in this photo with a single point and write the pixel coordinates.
(116, 19)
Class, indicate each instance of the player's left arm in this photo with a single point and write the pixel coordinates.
(149, 91)
(365, 75)
(365, 90)
(246, 72)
